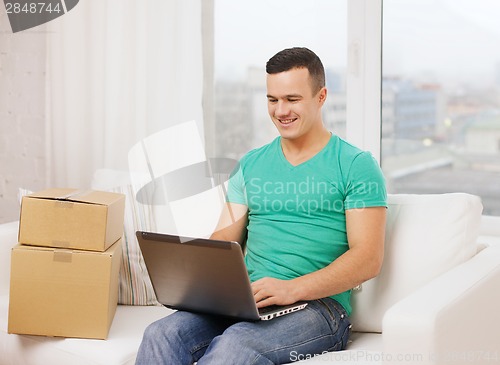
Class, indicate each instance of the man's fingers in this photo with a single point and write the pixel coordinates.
(262, 296)
(266, 302)
(259, 295)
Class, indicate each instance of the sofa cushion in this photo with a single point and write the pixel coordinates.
(426, 235)
(135, 286)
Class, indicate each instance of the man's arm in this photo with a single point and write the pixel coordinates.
(362, 261)
(232, 223)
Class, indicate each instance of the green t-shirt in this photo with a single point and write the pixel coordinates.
(296, 214)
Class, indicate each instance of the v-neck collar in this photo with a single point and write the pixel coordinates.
(288, 164)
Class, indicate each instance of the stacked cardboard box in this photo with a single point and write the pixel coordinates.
(64, 271)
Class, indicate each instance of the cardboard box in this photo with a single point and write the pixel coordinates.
(70, 218)
(60, 292)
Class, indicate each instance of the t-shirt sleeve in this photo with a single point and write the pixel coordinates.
(236, 187)
(365, 184)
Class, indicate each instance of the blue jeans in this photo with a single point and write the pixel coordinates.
(185, 337)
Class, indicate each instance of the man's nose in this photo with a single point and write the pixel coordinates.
(282, 108)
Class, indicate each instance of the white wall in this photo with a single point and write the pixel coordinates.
(22, 110)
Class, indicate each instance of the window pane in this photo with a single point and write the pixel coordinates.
(441, 98)
(247, 34)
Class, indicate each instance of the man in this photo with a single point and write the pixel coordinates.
(312, 208)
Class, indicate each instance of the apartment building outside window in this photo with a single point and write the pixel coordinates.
(441, 84)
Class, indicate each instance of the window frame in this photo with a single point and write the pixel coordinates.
(364, 75)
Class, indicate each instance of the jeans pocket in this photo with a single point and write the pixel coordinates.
(346, 334)
(340, 323)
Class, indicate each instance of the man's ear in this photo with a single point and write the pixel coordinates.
(323, 92)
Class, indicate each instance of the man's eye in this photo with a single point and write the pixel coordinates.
(272, 100)
(293, 100)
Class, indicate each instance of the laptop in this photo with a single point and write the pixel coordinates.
(203, 275)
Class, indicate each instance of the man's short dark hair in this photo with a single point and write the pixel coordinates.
(298, 57)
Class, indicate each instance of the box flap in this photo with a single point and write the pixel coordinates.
(111, 251)
(97, 197)
(80, 196)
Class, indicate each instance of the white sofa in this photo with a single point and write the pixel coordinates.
(436, 300)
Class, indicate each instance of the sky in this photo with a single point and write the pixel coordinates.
(441, 40)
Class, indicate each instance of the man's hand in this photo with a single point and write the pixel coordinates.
(269, 291)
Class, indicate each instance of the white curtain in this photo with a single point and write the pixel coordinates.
(118, 71)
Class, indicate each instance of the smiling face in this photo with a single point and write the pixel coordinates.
(293, 105)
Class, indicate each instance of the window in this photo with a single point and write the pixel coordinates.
(247, 34)
(441, 98)
(430, 114)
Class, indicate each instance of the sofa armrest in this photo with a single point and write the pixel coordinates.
(8, 238)
(454, 319)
